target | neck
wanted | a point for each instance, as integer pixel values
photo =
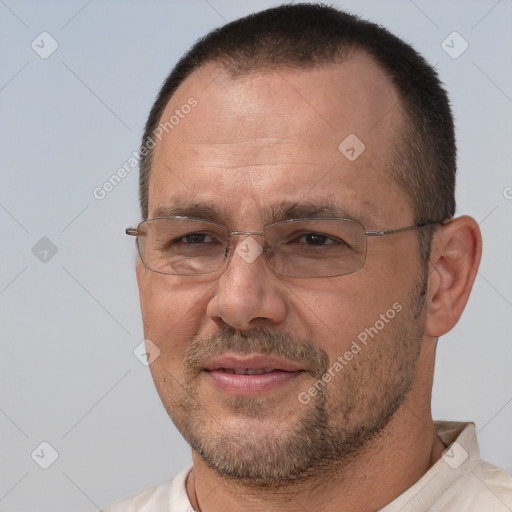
(392, 463)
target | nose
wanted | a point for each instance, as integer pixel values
(248, 294)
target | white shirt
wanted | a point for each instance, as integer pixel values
(459, 481)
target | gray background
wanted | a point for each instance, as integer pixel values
(70, 320)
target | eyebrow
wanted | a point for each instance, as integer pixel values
(302, 210)
(178, 208)
(279, 212)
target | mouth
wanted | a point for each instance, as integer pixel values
(251, 374)
(247, 371)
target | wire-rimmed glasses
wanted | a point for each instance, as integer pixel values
(301, 248)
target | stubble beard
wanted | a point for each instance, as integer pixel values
(328, 433)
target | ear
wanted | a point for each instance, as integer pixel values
(454, 260)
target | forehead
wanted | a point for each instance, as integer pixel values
(281, 135)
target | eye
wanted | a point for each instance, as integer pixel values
(317, 239)
(195, 241)
(195, 238)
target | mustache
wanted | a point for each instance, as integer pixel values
(200, 351)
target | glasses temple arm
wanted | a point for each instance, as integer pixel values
(400, 230)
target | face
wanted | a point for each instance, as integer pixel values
(271, 378)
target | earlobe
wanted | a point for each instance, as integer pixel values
(455, 256)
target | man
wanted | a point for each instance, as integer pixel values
(298, 261)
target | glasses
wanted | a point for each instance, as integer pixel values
(301, 248)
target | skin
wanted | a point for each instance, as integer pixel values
(254, 142)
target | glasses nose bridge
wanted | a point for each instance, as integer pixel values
(259, 233)
(241, 233)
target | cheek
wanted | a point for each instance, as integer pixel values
(172, 309)
(333, 314)
(328, 314)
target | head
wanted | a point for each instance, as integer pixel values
(262, 108)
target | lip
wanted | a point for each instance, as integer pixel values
(251, 362)
(221, 371)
